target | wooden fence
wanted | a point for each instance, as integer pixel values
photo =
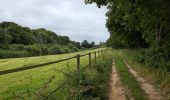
(49, 63)
(61, 60)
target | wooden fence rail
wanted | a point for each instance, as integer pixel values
(49, 63)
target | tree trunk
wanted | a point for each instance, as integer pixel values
(158, 32)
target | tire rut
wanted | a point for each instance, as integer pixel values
(152, 93)
(116, 91)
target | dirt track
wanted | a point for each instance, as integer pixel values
(117, 92)
(116, 89)
(148, 88)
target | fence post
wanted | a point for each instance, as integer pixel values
(78, 65)
(95, 57)
(90, 60)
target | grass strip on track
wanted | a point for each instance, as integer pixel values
(132, 87)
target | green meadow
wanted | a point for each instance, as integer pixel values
(19, 82)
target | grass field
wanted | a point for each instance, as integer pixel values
(16, 83)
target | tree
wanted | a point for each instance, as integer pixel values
(92, 43)
(4, 37)
(77, 44)
(139, 21)
(64, 40)
(139, 24)
(85, 44)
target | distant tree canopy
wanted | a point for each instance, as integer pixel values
(18, 41)
(86, 44)
(15, 34)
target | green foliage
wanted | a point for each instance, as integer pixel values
(12, 54)
(24, 35)
(77, 44)
(91, 84)
(55, 49)
(140, 24)
(15, 47)
(36, 50)
(4, 38)
(73, 47)
(33, 50)
(14, 37)
(155, 58)
(86, 44)
(36, 41)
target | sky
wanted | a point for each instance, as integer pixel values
(65, 17)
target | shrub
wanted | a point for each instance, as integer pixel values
(43, 49)
(154, 57)
(91, 84)
(66, 50)
(33, 50)
(13, 54)
(72, 47)
(55, 49)
(16, 47)
(157, 58)
(36, 49)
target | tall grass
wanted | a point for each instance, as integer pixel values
(92, 83)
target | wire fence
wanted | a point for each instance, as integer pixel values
(3, 72)
(84, 61)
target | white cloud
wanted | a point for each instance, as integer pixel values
(65, 17)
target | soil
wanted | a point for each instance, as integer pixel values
(116, 91)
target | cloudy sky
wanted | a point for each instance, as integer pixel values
(65, 17)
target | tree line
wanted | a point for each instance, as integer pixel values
(140, 24)
(19, 41)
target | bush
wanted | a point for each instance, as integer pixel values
(154, 57)
(157, 58)
(55, 49)
(16, 47)
(33, 50)
(43, 49)
(91, 84)
(66, 50)
(13, 54)
(36, 49)
(73, 47)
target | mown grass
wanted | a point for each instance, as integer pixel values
(130, 84)
(26, 61)
(158, 78)
(32, 80)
